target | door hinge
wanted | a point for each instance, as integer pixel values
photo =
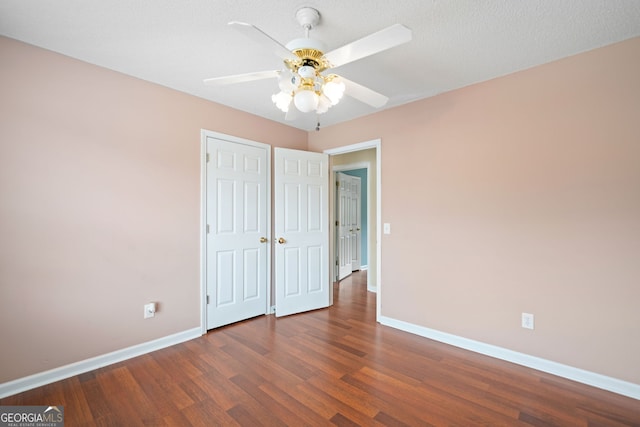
(337, 183)
(207, 157)
(207, 299)
(337, 223)
(207, 228)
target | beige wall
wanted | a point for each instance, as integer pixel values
(100, 206)
(521, 194)
(361, 156)
(518, 194)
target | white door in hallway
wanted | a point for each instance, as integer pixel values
(343, 252)
(355, 226)
(348, 233)
(301, 234)
(237, 203)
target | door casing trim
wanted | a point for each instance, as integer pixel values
(377, 144)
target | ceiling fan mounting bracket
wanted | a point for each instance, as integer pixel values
(308, 17)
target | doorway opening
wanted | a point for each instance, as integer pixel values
(367, 156)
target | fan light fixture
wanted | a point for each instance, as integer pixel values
(315, 93)
(301, 84)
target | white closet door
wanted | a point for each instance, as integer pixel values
(237, 221)
(301, 231)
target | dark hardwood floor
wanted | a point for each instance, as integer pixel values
(333, 366)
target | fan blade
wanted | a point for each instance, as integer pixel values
(262, 38)
(364, 94)
(241, 78)
(293, 113)
(387, 38)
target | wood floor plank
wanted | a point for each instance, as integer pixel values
(387, 403)
(431, 402)
(268, 403)
(261, 366)
(220, 390)
(325, 359)
(96, 400)
(126, 397)
(290, 399)
(388, 420)
(344, 421)
(317, 398)
(207, 413)
(335, 366)
(76, 401)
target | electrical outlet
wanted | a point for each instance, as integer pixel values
(149, 310)
(527, 320)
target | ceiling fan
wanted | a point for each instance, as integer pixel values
(304, 83)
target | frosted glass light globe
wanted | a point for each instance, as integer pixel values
(282, 100)
(323, 104)
(334, 90)
(306, 100)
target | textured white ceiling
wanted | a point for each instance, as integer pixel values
(455, 42)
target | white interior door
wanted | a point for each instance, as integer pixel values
(301, 231)
(344, 225)
(237, 206)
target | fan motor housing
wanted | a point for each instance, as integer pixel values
(310, 52)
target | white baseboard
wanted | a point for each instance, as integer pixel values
(36, 380)
(585, 377)
(370, 287)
